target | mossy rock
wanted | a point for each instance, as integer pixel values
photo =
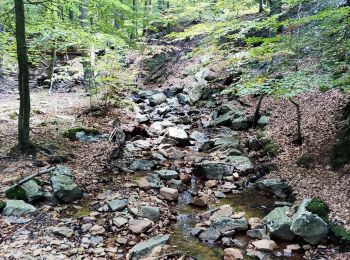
(269, 146)
(37, 181)
(319, 207)
(341, 152)
(17, 193)
(305, 161)
(2, 206)
(71, 133)
(340, 232)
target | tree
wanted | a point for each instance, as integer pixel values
(23, 77)
(1, 51)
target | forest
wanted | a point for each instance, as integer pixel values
(175, 129)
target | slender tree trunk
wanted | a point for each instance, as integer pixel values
(257, 110)
(299, 138)
(23, 78)
(1, 52)
(261, 6)
(52, 67)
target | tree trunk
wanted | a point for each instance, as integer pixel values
(257, 110)
(23, 78)
(299, 138)
(261, 6)
(52, 67)
(275, 6)
(1, 53)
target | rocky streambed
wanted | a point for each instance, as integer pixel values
(187, 183)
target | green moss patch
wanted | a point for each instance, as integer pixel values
(341, 233)
(37, 181)
(17, 193)
(319, 207)
(70, 133)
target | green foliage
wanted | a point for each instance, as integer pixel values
(269, 146)
(319, 207)
(341, 233)
(17, 193)
(2, 205)
(71, 133)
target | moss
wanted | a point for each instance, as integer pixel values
(17, 193)
(271, 149)
(2, 206)
(341, 233)
(13, 115)
(70, 133)
(37, 181)
(319, 207)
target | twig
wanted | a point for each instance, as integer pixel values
(30, 177)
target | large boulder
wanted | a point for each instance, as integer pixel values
(278, 223)
(179, 135)
(241, 163)
(213, 170)
(145, 248)
(307, 225)
(210, 235)
(227, 225)
(63, 185)
(33, 190)
(276, 186)
(17, 208)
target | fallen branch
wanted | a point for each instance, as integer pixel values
(29, 178)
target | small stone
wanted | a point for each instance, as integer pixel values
(210, 235)
(119, 221)
(219, 195)
(199, 202)
(138, 226)
(152, 213)
(255, 223)
(118, 204)
(232, 254)
(97, 230)
(211, 184)
(197, 230)
(62, 231)
(294, 247)
(265, 245)
(169, 193)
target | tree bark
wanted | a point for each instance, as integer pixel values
(257, 110)
(1, 53)
(261, 6)
(299, 138)
(23, 78)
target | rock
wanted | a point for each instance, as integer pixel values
(213, 170)
(307, 225)
(229, 242)
(241, 163)
(199, 137)
(157, 99)
(256, 223)
(63, 231)
(211, 184)
(50, 198)
(224, 211)
(276, 186)
(179, 135)
(210, 235)
(152, 213)
(172, 92)
(183, 99)
(226, 142)
(263, 120)
(197, 230)
(278, 223)
(199, 202)
(33, 190)
(219, 195)
(63, 185)
(146, 247)
(17, 208)
(265, 245)
(232, 254)
(152, 181)
(257, 233)
(97, 230)
(118, 204)
(169, 193)
(142, 165)
(167, 174)
(176, 184)
(241, 123)
(138, 226)
(119, 221)
(140, 118)
(227, 225)
(224, 120)
(195, 92)
(174, 154)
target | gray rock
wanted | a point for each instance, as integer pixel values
(278, 223)
(145, 248)
(224, 120)
(33, 190)
(167, 174)
(199, 137)
(120, 221)
(50, 198)
(142, 165)
(219, 194)
(118, 204)
(307, 225)
(195, 92)
(210, 235)
(240, 123)
(265, 245)
(263, 121)
(157, 99)
(257, 233)
(227, 225)
(152, 213)
(213, 170)
(183, 99)
(151, 181)
(178, 134)
(17, 208)
(141, 118)
(176, 184)
(62, 231)
(139, 226)
(276, 186)
(241, 163)
(224, 211)
(226, 142)
(197, 230)
(63, 185)
(169, 193)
